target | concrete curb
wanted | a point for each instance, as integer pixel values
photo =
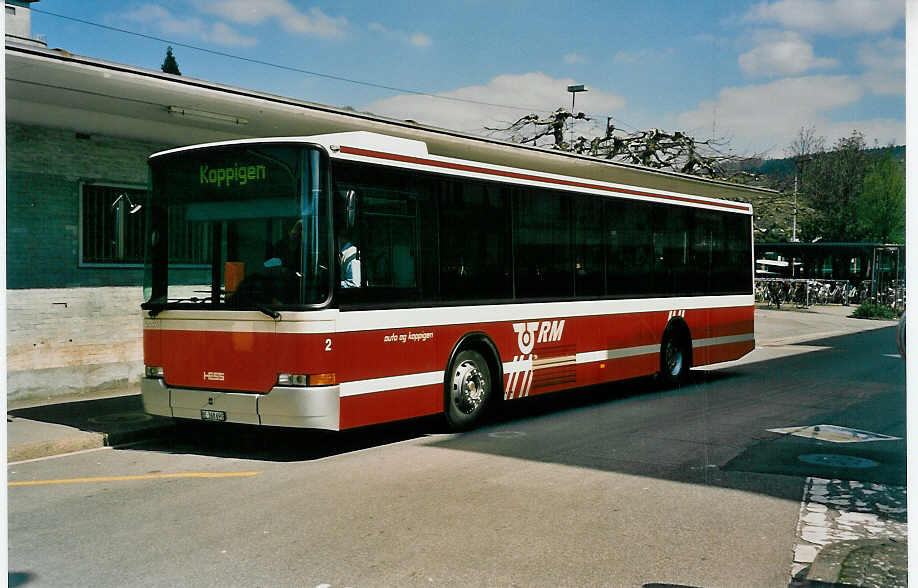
(83, 440)
(58, 446)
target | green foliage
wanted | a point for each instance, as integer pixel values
(846, 193)
(881, 203)
(170, 65)
(831, 183)
(868, 310)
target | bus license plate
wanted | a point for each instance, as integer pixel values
(213, 415)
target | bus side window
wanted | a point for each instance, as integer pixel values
(629, 248)
(475, 256)
(543, 256)
(386, 230)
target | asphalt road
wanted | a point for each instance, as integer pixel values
(621, 485)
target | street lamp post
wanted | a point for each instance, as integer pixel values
(794, 235)
(573, 90)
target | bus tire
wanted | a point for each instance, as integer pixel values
(675, 358)
(469, 389)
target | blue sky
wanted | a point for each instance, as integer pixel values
(750, 73)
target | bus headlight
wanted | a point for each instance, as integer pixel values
(152, 371)
(306, 379)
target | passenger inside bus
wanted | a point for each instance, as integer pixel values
(349, 258)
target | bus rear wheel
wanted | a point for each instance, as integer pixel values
(674, 359)
(468, 390)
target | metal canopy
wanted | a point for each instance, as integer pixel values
(54, 88)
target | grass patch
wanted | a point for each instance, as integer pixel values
(869, 310)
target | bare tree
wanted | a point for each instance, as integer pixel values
(655, 148)
(807, 142)
(532, 128)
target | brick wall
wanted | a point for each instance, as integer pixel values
(45, 168)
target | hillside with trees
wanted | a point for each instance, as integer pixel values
(845, 192)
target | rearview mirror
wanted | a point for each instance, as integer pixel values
(350, 206)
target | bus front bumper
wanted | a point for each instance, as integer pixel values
(307, 407)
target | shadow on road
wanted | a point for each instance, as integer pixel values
(281, 444)
(288, 444)
(712, 431)
(715, 430)
(110, 416)
(20, 578)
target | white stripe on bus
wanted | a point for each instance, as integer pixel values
(388, 383)
(325, 321)
(521, 372)
(594, 356)
(723, 340)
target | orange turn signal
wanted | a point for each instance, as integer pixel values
(322, 379)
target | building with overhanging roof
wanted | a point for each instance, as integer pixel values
(79, 131)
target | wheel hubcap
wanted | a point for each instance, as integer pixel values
(468, 388)
(673, 359)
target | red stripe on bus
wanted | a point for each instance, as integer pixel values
(529, 177)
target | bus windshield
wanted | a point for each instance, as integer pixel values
(238, 227)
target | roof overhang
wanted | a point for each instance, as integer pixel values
(54, 88)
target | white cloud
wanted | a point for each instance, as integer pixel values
(885, 64)
(572, 58)
(881, 131)
(218, 32)
(526, 93)
(766, 117)
(312, 22)
(830, 16)
(224, 34)
(415, 39)
(782, 54)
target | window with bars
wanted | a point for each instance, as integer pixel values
(112, 224)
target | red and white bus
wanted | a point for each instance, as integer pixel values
(477, 283)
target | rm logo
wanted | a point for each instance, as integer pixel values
(530, 333)
(527, 335)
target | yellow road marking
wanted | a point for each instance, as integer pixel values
(140, 477)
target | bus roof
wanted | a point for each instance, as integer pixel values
(413, 154)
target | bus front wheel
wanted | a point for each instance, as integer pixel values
(468, 390)
(674, 359)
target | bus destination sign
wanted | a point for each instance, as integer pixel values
(223, 177)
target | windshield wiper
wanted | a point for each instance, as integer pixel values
(264, 308)
(154, 307)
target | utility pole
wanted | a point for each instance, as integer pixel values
(573, 90)
(794, 235)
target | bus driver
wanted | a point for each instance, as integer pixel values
(350, 263)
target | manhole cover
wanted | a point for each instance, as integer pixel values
(120, 418)
(837, 461)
